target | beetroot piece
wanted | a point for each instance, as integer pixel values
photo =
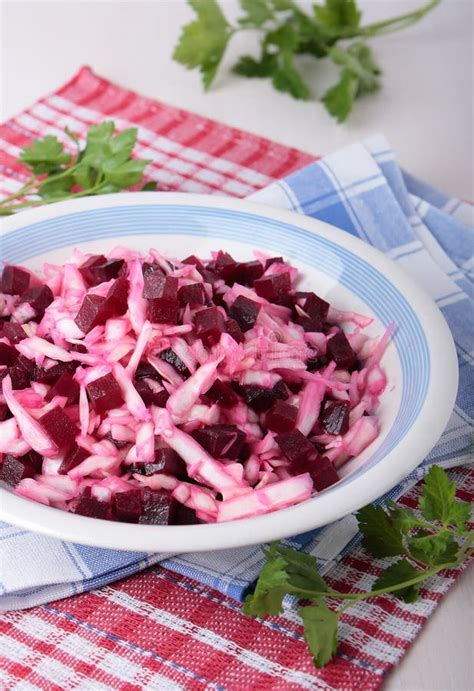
(8, 354)
(4, 409)
(94, 311)
(64, 386)
(296, 447)
(209, 325)
(339, 350)
(145, 370)
(14, 332)
(159, 508)
(195, 261)
(281, 391)
(12, 470)
(14, 280)
(39, 297)
(166, 461)
(59, 428)
(104, 394)
(224, 266)
(245, 312)
(323, 473)
(150, 397)
(162, 311)
(259, 398)
(223, 394)
(117, 296)
(316, 308)
(20, 378)
(52, 374)
(169, 356)
(193, 294)
(101, 273)
(184, 516)
(28, 365)
(234, 330)
(149, 268)
(221, 441)
(74, 455)
(86, 269)
(335, 417)
(158, 286)
(281, 417)
(274, 287)
(92, 507)
(247, 272)
(127, 506)
(273, 260)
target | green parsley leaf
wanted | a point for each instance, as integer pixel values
(258, 12)
(271, 587)
(84, 176)
(434, 550)
(438, 499)
(337, 14)
(287, 79)
(44, 155)
(339, 98)
(403, 519)
(302, 570)
(203, 42)
(358, 61)
(320, 631)
(150, 186)
(396, 574)
(380, 537)
(247, 66)
(126, 174)
(54, 189)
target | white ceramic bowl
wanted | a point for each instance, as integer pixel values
(420, 361)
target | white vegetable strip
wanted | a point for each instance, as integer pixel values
(182, 400)
(132, 398)
(308, 411)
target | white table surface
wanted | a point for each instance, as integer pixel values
(425, 109)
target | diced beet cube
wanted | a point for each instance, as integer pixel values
(127, 506)
(234, 330)
(39, 297)
(52, 374)
(281, 417)
(34, 459)
(281, 391)
(146, 371)
(259, 398)
(117, 297)
(85, 269)
(209, 276)
(167, 461)
(192, 294)
(151, 267)
(4, 409)
(296, 447)
(159, 508)
(93, 312)
(316, 363)
(323, 473)
(247, 272)
(59, 428)
(158, 286)
(28, 365)
(104, 394)
(64, 386)
(169, 356)
(308, 323)
(106, 271)
(91, 507)
(221, 441)
(74, 455)
(223, 394)
(151, 397)
(209, 325)
(192, 259)
(273, 260)
(20, 378)
(339, 349)
(184, 516)
(8, 354)
(14, 332)
(335, 417)
(162, 311)
(14, 280)
(274, 287)
(245, 312)
(224, 266)
(12, 470)
(317, 308)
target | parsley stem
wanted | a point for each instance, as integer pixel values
(38, 202)
(389, 25)
(21, 192)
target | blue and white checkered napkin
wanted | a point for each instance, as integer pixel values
(362, 190)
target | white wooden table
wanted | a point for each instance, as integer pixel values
(425, 110)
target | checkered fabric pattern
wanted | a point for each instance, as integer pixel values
(161, 629)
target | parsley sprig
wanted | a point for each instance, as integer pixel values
(105, 164)
(427, 541)
(286, 32)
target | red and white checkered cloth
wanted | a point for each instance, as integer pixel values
(158, 630)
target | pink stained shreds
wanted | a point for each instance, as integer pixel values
(146, 389)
